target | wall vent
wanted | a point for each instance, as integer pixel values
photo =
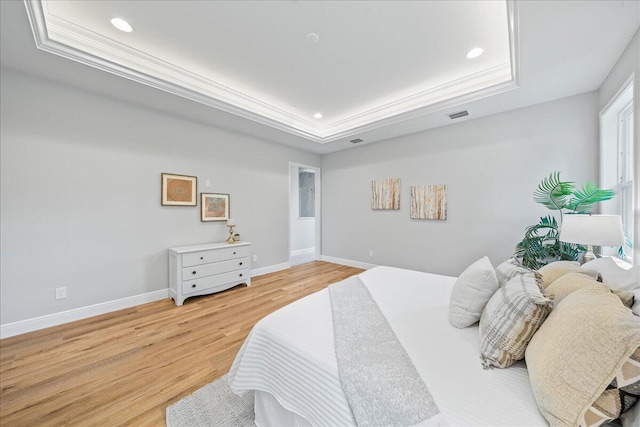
(356, 141)
(458, 114)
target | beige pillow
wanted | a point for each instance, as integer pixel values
(627, 297)
(510, 318)
(571, 282)
(551, 272)
(577, 352)
(471, 292)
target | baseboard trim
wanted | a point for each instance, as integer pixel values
(54, 319)
(29, 325)
(347, 262)
(270, 269)
(303, 251)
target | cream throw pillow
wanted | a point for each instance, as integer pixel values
(471, 292)
(551, 272)
(577, 352)
(571, 282)
(509, 320)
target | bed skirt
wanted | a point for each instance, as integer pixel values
(270, 413)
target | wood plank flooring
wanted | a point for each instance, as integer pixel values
(126, 367)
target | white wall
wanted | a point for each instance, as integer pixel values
(628, 64)
(491, 167)
(303, 231)
(80, 195)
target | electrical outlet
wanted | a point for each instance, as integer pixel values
(61, 293)
(207, 183)
(371, 254)
(255, 258)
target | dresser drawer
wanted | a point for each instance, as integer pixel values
(205, 257)
(197, 258)
(203, 270)
(215, 280)
(233, 252)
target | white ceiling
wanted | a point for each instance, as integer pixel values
(380, 69)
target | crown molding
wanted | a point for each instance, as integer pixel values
(63, 38)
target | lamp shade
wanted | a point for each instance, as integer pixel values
(595, 230)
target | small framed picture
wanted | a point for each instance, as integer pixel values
(214, 207)
(179, 190)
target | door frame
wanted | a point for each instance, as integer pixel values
(318, 200)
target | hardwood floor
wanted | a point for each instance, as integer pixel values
(126, 367)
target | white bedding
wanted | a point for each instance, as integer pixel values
(290, 355)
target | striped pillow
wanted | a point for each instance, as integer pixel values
(510, 269)
(511, 317)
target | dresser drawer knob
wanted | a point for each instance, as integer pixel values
(240, 274)
(193, 286)
(193, 272)
(234, 253)
(240, 263)
(201, 257)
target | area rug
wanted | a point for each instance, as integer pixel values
(213, 405)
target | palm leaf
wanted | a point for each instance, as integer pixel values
(553, 193)
(583, 200)
(539, 243)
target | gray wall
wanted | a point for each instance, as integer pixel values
(490, 165)
(80, 187)
(628, 64)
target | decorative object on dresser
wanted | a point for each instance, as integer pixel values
(385, 194)
(592, 230)
(231, 223)
(205, 269)
(214, 207)
(429, 202)
(178, 190)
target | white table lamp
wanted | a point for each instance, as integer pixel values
(592, 230)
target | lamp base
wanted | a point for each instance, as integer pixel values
(589, 255)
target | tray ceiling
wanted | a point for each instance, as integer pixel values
(361, 65)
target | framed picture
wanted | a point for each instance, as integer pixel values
(385, 194)
(429, 202)
(179, 190)
(214, 207)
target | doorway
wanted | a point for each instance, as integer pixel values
(304, 213)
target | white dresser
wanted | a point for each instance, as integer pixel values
(205, 269)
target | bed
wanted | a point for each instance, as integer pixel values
(289, 359)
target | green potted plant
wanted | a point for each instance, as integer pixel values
(540, 244)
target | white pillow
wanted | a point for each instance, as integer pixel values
(471, 292)
(613, 275)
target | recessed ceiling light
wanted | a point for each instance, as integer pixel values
(475, 52)
(317, 115)
(313, 38)
(122, 25)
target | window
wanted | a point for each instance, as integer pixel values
(616, 164)
(306, 188)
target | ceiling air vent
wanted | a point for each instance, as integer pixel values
(356, 141)
(458, 114)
